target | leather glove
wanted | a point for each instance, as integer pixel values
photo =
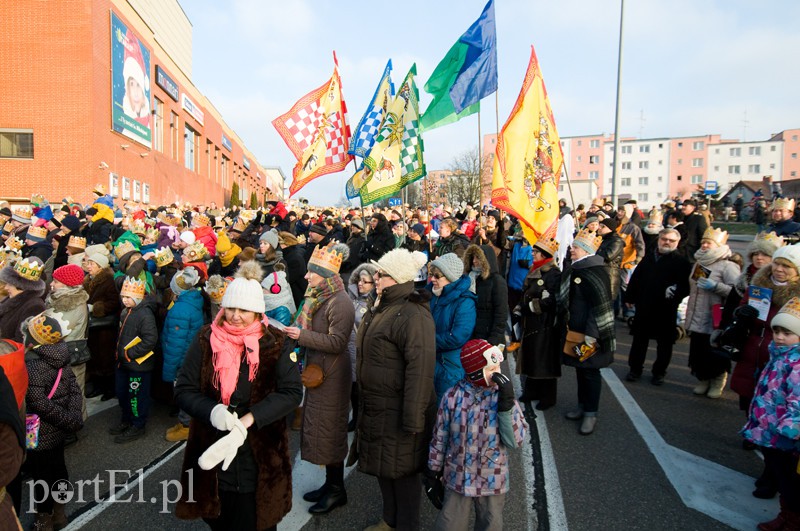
(706, 284)
(222, 419)
(670, 291)
(225, 449)
(434, 488)
(523, 263)
(745, 313)
(506, 399)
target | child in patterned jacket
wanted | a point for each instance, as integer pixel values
(478, 419)
(774, 418)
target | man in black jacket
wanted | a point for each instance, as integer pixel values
(695, 225)
(657, 286)
(612, 249)
(782, 222)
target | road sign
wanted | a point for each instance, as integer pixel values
(395, 201)
(711, 188)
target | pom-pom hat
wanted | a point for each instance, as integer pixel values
(244, 292)
(476, 356)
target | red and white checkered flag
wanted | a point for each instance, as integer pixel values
(317, 131)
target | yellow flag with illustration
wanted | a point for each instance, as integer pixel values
(528, 159)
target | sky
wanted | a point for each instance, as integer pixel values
(689, 67)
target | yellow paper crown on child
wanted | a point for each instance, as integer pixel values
(14, 243)
(201, 220)
(38, 200)
(718, 236)
(164, 256)
(79, 242)
(588, 240)
(29, 269)
(138, 228)
(133, 288)
(547, 242)
(124, 248)
(195, 252)
(783, 203)
(48, 328)
(8, 227)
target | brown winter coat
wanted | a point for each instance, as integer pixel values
(326, 408)
(14, 310)
(395, 365)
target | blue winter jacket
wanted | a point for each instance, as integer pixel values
(517, 273)
(281, 314)
(454, 315)
(183, 322)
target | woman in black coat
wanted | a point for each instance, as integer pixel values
(480, 264)
(540, 352)
(380, 239)
(611, 250)
(293, 255)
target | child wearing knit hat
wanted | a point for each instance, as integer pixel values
(484, 397)
(774, 419)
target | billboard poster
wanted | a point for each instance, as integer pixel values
(126, 188)
(113, 184)
(145, 193)
(137, 191)
(130, 84)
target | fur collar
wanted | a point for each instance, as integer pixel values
(472, 252)
(780, 294)
(67, 299)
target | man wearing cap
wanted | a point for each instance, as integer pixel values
(782, 218)
(24, 288)
(317, 236)
(36, 244)
(695, 225)
(70, 226)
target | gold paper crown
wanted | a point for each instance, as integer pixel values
(770, 238)
(8, 257)
(38, 200)
(216, 289)
(37, 232)
(239, 226)
(201, 220)
(133, 288)
(137, 227)
(327, 257)
(23, 212)
(195, 252)
(172, 220)
(29, 270)
(14, 243)
(123, 248)
(783, 203)
(48, 328)
(547, 242)
(99, 189)
(164, 256)
(589, 238)
(718, 236)
(656, 216)
(599, 202)
(79, 242)
(151, 234)
(8, 226)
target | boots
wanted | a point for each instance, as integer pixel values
(334, 497)
(178, 432)
(380, 526)
(316, 495)
(716, 385)
(588, 424)
(702, 387)
(297, 423)
(43, 522)
(577, 414)
(59, 516)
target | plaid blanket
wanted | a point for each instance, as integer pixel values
(596, 287)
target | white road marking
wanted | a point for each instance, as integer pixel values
(714, 490)
(95, 405)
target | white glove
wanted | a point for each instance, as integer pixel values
(225, 449)
(530, 305)
(222, 419)
(545, 293)
(670, 292)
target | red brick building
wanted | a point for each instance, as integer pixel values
(66, 123)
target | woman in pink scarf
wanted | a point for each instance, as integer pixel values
(238, 382)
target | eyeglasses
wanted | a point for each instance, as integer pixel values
(380, 274)
(362, 281)
(437, 276)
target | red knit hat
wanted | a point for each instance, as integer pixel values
(476, 354)
(70, 275)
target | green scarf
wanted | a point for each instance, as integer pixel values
(316, 297)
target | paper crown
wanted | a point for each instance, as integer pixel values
(547, 242)
(588, 241)
(79, 242)
(8, 227)
(99, 189)
(172, 220)
(29, 269)
(327, 257)
(132, 288)
(124, 248)
(769, 238)
(718, 236)
(201, 220)
(195, 252)
(8, 257)
(38, 200)
(37, 233)
(215, 287)
(138, 227)
(164, 256)
(14, 243)
(23, 213)
(48, 328)
(656, 217)
(239, 226)
(783, 203)
(599, 202)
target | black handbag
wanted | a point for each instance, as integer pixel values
(106, 320)
(78, 351)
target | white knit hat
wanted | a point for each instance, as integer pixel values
(791, 253)
(788, 317)
(244, 292)
(188, 237)
(401, 264)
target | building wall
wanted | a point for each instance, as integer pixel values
(732, 162)
(584, 157)
(791, 153)
(171, 29)
(685, 153)
(643, 171)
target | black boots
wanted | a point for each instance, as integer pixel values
(334, 496)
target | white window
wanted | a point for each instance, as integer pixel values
(794, 173)
(644, 148)
(189, 148)
(698, 145)
(579, 174)
(660, 162)
(680, 144)
(660, 178)
(660, 195)
(642, 197)
(697, 163)
(680, 161)
(16, 143)
(580, 142)
(772, 148)
(594, 175)
(594, 159)
(734, 170)
(794, 138)
(560, 187)
(643, 164)
(626, 165)
(594, 143)
(174, 123)
(716, 168)
(754, 150)
(754, 168)
(158, 125)
(697, 179)
(627, 149)
(794, 155)
(578, 158)
(772, 166)
(736, 152)
(625, 181)
(643, 181)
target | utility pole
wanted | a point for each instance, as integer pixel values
(615, 171)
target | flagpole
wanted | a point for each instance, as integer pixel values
(480, 163)
(360, 201)
(569, 185)
(615, 172)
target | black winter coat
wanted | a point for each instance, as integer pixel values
(492, 291)
(42, 250)
(99, 232)
(612, 249)
(540, 353)
(695, 225)
(59, 415)
(295, 271)
(655, 314)
(380, 240)
(139, 321)
(14, 310)
(357, 245)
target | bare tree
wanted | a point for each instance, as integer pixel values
(465, 183)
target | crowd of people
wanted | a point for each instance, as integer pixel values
(392, 324)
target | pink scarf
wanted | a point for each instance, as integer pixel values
(227, 344)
